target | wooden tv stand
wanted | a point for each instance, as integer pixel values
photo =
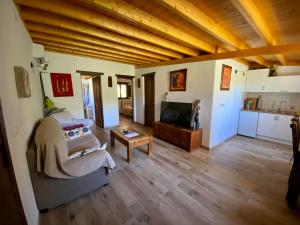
(186, 138)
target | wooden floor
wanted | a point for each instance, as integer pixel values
(243, 181)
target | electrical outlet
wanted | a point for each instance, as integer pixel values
(292, 107)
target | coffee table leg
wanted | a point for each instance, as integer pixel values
(150, 146)
(128, 153)
(112, 138)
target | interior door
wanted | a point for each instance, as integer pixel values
(98, 101)
(11, 210)
(149, 99)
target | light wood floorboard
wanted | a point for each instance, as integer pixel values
(241, 182)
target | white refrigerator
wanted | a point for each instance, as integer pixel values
(248, 123)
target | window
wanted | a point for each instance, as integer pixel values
(122, 91)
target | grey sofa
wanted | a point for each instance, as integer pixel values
(51, 192)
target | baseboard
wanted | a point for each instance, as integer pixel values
(273, 140)
(227, 139)
(139, 123)
(205, 147)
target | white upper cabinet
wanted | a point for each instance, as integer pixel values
(259, 81)
(284, 84)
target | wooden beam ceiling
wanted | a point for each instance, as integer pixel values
(270, 50)
(85, 15)
(79, 41)
(84, 53)
(76, 48)
(109, 39)
(199, 18)
(163, 32)
(134, 14)
(66, 45)
(251, 13)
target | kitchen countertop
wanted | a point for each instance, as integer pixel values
(290, 113)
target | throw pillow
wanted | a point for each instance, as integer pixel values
(75, 133)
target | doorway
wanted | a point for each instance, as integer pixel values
(125, 90)
(149, 81)
(11, 210)
(92, 96)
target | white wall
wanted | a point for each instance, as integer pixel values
(219, 109)
(200, 80)
(227, 104)
(62, 63)
(20, 114)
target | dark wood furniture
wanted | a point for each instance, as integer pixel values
(149, 83)
(11, 209)
(185, 138)
(131, 143)
(294, 178)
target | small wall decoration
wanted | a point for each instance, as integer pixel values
(225, 78)
(22, 82)
(178, 80)
(61, 84)
(110, 81)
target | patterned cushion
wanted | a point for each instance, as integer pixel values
(75, 133)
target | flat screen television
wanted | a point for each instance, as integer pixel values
(177, 113)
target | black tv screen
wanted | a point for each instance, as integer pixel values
(176, 113)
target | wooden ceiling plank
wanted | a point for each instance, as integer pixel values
(67, 51)
(270, 50)
(43, 39)
(115, 41)
(72, 47)
(72, 38)
(49, 49)
(76, 12)
(132, 13)
(251, 13)
(193, 14)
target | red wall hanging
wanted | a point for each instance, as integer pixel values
(61, 84)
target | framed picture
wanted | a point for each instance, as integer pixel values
(178, 80)
(110, 81)
(61, 84)
(22, 82)
(225, 78)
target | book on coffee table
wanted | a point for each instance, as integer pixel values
(132, 134)
(129, 133)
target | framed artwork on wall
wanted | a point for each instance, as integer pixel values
(225, 78)
(61, 84)
(22, 82)
(178, 80)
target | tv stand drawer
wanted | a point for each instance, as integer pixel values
(185, 138)
(171, 135)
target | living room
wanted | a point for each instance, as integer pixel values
(219, 178)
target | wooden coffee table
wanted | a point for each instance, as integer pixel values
(131, 143)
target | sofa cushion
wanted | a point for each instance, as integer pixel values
(76, 133)
(82, 143)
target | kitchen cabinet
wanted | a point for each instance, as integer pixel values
(248, 123)
(257, 80)
(274, 127)
(284, 84)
